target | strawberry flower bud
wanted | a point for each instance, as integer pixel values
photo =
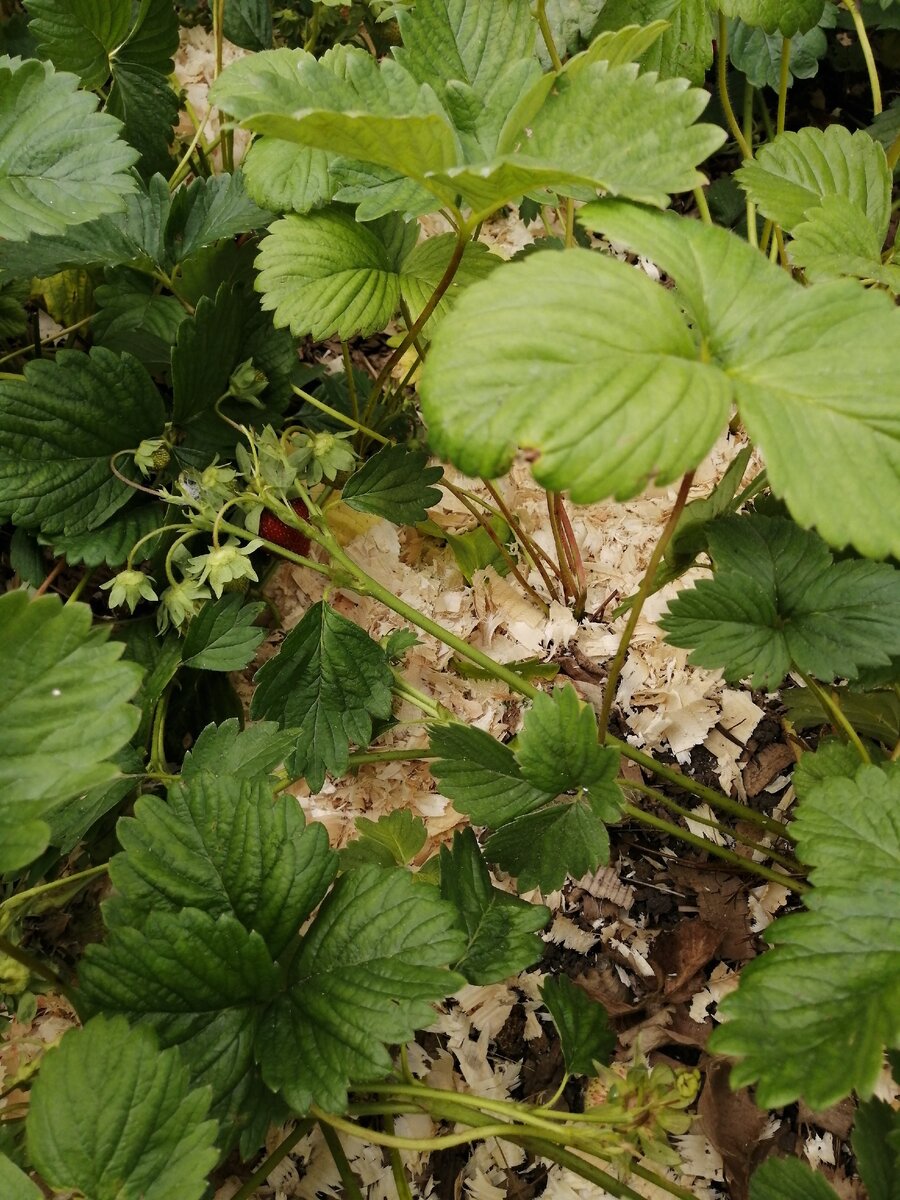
(179, 603)
(129, 587)
(225, 564)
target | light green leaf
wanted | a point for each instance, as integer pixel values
(684, 48)
(379, 944)
(395, 484)
(22, 840)
(228, 750)
(583, 1026)
(78, 35)
(812, 1016)
(571, 22)
(377, 191)
(558, 750)
(805, 402)
(15, 1184)
(393, 840)
(287, 177)
(59, 427)
(325, 274)
(85, 1130)
(481, 775)
(223, 637)
(789, 1179)
(777, 600)
(837, 238)
(475, 550)
(61, 162)
(610, 402)
(796, 171)
(71, 820)
(500, 928)
(786, 16)
(65, 710)
(424, 266)
(329, 680)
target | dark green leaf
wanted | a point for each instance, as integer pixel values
(78, 36)
(207, 210)
(789, 1179)
(558, 750)
(71, 820)
(248, 23)
(500, 928)
(395, 484)
(393, 840)
(582, 1024)
(876, 1145)
(328, 680)
(132, 317)
(481, 775)
(872, 714)
(758, 54)
(85, 1130)
(26, 558)
(238, 753)
(59, 427)
(223, 637)
(148, 108)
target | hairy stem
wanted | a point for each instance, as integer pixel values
(281, 1151)
(547, 35)
(348, 1179)
(724, 99)
(833, 710)
(784, 79)
(866, 47)
(336, 415)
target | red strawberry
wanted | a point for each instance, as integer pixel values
(273, 529)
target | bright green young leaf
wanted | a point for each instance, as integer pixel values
(789, 1179)
(808, 404)
(248, 23)
(378, 945)
(78, 35)
(481, 775)
(876, 1146)
(796, 171)
(582, 1024)
(65, 708)
(837, 238)
(786, 16)
(223, 845)
(287, 177)
(475, 550)
(812, 1016)
(60, 425)
(15, 1184)
(61, 162)
(85, 1130)
(778, 600)
(248, 753)
(393, 840)
(610, 401)
(500, 928)
(558, 750)
(329, 680)
(395, 484)
(223, 637)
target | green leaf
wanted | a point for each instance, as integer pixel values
(207, 210)
(63, 163)
(71, 820)
(222, 845)
(610, 402)
(148, 108)
(582, 1024)
(684, 48)
(248, 23)
(286, 177)
(79, 34)
(395, 484)
(238, 753)
(223, 637)
(778, 600)
(789, 1179)
(60, 425)
(22, 840)
(837, 238)
(153, 40)
(65, 710)
(804, 401)
(329, 680)
(758, 54)
(558, 750)
(15, 1184)
(872, 714)
(797, 171)
(393, 840)
(86, 1132)
(13, 317)
(876, 1145)
(481, 775)
(812, 1016)
(786, 16)
(422, 269)
(571, 23)
(111, 543)
(500, 928)
(131, 317)
(377, 946)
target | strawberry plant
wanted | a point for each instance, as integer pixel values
(175, 434)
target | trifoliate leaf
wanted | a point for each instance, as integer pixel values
(778, 600)
(223, 845)
(582, 1024)
(786, 16)
(789, 1179)
(395, 484)
(65, 710)
(481, 775)
(59, 427)
(500, 928)
(378, 945)
(558, 750)
(132, 317)
(796, 171)
(61, 162)
(79, 36)
(15, 1184)
(804, 401)
(876, 1146)
(207, 210)
(812, 1016)
(837, 238)
(86, 1132)
(228, 750)
(329, 680)
(223, 637)
(286, 177)
(248, 23)
(393, 840)
(610, 401)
